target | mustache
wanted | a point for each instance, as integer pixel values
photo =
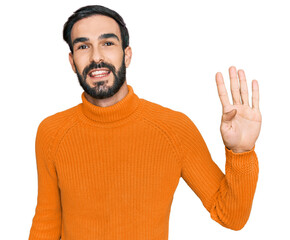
(94, 65)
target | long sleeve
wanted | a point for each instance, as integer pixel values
(46, 223)
(228, 197)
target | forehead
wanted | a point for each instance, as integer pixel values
(94, 26)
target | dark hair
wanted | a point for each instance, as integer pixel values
(88, 11)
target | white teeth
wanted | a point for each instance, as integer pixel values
(99, 72)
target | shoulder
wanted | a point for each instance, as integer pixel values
(161, 114)
(175, 124)
(53, 124)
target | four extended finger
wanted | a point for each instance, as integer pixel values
(255, 94)
(235, 88)
(243, 87)
(222, 91)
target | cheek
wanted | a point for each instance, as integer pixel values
(116, 58)
(81, 62)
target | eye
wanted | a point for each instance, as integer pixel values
(109, 43)
(83, 46)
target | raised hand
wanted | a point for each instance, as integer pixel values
(240, 124)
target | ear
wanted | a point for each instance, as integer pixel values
(71, 60)
(128, 56)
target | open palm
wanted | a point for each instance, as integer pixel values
(240, 124)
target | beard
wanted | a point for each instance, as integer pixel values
(100, 90)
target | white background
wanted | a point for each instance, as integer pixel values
(178, 46)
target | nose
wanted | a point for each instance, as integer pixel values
(97, 55)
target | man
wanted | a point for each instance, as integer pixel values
(108, 167)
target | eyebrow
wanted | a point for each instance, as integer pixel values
(81, 39)
(108, 35)
(103, 36)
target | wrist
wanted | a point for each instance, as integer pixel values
(240, 150)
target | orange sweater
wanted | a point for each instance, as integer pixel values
(110, 173)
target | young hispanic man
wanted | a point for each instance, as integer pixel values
(108, 167)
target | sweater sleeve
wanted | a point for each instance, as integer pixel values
(46, 223)
(228, 197)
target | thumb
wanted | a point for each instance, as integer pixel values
(229, 115)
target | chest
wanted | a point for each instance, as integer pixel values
(127, 166)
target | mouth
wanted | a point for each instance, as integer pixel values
(99, 74)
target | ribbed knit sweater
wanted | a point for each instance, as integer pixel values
(110, 173)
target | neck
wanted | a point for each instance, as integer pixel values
(106, 102)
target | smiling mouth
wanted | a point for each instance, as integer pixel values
(99, 73)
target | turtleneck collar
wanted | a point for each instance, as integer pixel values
(118, 111)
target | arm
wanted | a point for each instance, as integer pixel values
(227, 197)
(46, 223)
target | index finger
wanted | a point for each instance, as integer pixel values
(222, 91)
